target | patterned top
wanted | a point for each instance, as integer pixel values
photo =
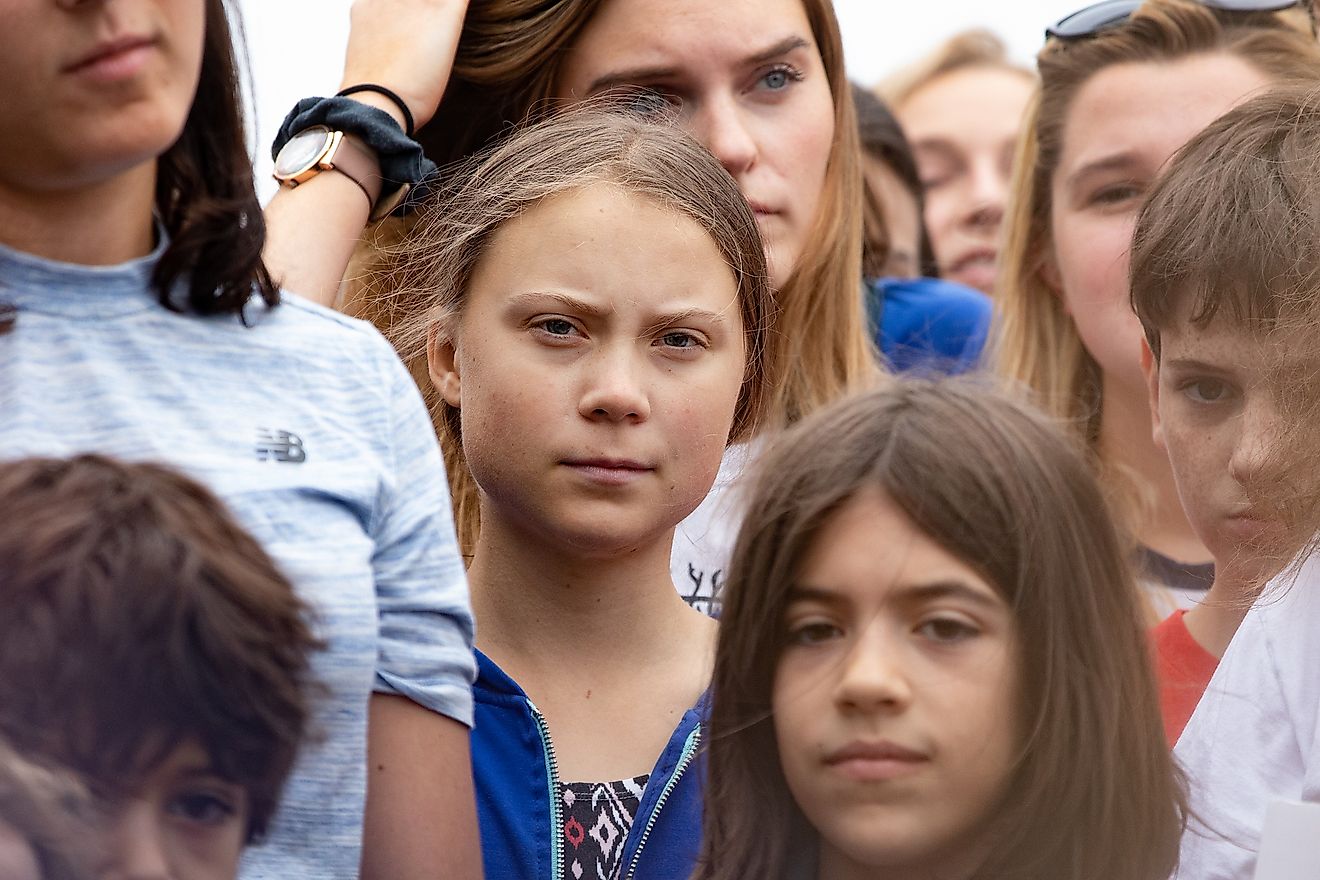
(597, 819)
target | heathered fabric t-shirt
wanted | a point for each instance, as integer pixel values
(308, 426)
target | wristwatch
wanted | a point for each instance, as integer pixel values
(318, 149)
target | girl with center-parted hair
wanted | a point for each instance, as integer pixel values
(760, 83)
(1122, 87)
(597, 337)
(931, 661)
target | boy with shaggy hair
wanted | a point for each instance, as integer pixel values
(150, 647)
(1226, 281)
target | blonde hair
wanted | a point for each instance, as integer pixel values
(1094, 792)
(971, 49)
(508, 65)
(1035, 342)
(427, 275)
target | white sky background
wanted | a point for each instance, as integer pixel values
(297, 46)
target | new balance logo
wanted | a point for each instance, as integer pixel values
(280, 446)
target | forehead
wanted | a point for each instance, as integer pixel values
(605, 239)
(986, 100)
(1150, 109)
(869, 550)
(693, 36)
(1275, 353)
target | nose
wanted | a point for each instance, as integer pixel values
(987, 191)
(615, 387)
(1258, 437)
(873, 677)
(722, 127)
(135, 844)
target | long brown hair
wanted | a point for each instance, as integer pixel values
(429, 272)
(1035, 341)
(505, 74)
(1095, 793)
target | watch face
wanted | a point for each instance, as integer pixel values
(302, 151)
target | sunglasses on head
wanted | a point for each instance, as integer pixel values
(1111, 13)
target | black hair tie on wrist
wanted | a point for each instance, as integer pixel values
(381, 90)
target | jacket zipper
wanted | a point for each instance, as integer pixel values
(556, 807)
(689, 752)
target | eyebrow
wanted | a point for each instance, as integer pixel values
(570, 303)
(911, 593)
(643, 74)
(1194, 365)
(1116, 162)
(582, 307)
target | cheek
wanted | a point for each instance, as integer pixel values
(1093, 268)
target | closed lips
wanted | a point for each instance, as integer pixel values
(108, 50)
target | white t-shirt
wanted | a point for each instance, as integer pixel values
(1255, 736)
(703, 543)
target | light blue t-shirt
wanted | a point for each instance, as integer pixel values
(311, 430)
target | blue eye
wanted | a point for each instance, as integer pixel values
(779, 78)
(680, 340)
(557, 326)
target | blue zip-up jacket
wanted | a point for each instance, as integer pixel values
(517, 781)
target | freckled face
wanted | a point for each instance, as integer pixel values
(747, 80)
(597, 364)
(184, 823)
(1225, 407)
(1123, 127)
(894, 699)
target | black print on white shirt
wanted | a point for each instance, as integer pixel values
(280, 446)
(708, 601)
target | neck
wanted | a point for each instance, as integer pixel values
(539, 604)
(101, 224)
(835, 865)
(1127, 442)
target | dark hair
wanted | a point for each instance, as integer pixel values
(136, 614)
(1094, 792)
(883, 139)
(205, 195)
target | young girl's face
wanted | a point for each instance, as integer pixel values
(1122, 128)
(597, 364)
(894, 698)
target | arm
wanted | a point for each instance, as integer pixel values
(421, 819)
(405, 45)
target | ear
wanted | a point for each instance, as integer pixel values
(1150, 367)
(442, 365)
(1049, 273)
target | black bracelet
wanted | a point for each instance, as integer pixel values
(402, 162)
(408, 126)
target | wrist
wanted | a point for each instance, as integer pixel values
(380, 102)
